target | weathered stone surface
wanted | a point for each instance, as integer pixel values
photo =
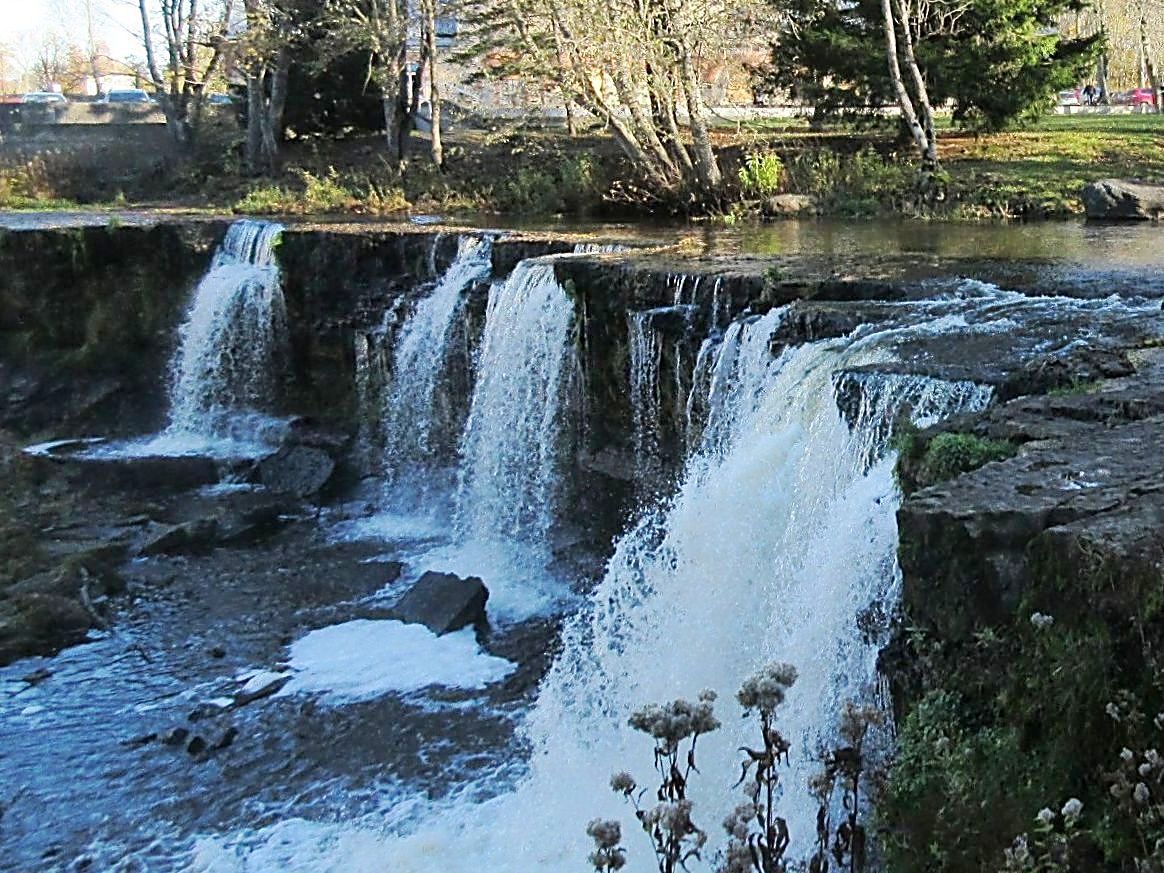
(1117, 199)
(185, 538)
(302, 471)
(443, 602)
(160, 475)
(1086, 491)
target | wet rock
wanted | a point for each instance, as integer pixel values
(1120, 200)
(197, 745)
(37, 676)
(244, 526)
(787, 204)
(443, 602)
(186, 538)
(226, 740)
(162, 475)
(175, 736)
(302, 471)
(40, 624)
(264, 690)
(217, 652)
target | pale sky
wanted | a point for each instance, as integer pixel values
(25, 23)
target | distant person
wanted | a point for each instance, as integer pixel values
(1089, 95)
(1101, 96)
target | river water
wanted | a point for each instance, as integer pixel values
(389, 748)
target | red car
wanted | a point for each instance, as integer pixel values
(1142, 100)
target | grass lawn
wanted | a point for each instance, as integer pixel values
(1041, 169)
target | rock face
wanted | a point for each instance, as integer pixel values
(1118, 200)
(1033, 590)
(443, 602)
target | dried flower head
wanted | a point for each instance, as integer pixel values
(675, 721)
(856, 720)
(606, 833)
(1140, 794)
(622, 783)
(766, 689)
(1045, 817)
(1041, 620)
(1072, 808)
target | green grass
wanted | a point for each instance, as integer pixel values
(1039, 171)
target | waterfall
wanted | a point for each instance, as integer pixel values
(420, 427)
(233, 344)
(781, 533)
(510, 448)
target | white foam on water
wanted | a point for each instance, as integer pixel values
(365, 659)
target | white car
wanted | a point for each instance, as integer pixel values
(44, 97)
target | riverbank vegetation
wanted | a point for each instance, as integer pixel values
(1034, 171)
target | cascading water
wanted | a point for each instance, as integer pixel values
(781, 533)
(646, 350)
(233, 344)
(510, 448)
(419, 428)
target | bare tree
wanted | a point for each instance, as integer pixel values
(916, 109)
(378, 29)
(636, 66)
(193, 40)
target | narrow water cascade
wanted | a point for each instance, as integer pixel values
(646, 349)
(510, 451)
(419, 419)
(232, 347)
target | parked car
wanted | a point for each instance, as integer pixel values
(126, 95)
(1070, 97)
(1141, 100)
(47, 97)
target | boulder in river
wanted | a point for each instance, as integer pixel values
(302, 471)
(1116, 199)
(443, 602)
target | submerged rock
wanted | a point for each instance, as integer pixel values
(443, 602)
(1117, 199)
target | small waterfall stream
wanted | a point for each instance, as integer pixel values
(232, 347)
(417, 424)
(510, 448)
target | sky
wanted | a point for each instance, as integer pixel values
(25, 23)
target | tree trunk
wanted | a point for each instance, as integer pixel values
(917, 130)
(434, 92)
(571, 120)
(255, 113)
(1148, 66)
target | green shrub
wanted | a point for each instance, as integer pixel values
(761, 174)
(862, 184)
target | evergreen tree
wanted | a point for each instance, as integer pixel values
(992, 61)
